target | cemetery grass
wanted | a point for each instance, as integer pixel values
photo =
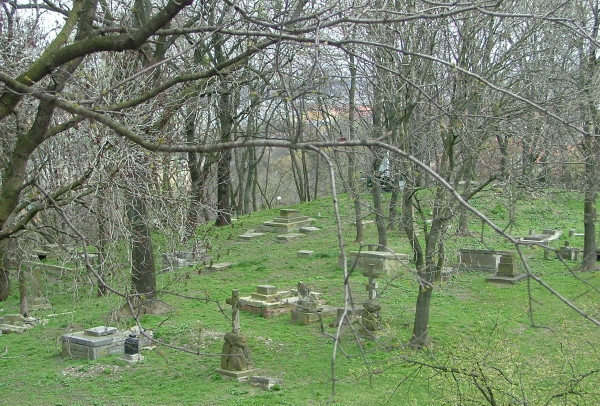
(482, 333)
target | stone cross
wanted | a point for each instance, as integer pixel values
(372, 288)
(235, 310)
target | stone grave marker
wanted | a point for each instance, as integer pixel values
(371, 316)
(236, 361)
(96, 342)
(269, 302)
(385, 262)
(216, 267)
(479, 260)
(309, 309)
(250, 235)
(507, 270)
(569, 253)
(38, 301)
(289, 220)
(285, 238)
(305, 253)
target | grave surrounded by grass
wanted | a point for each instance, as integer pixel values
(486, 338)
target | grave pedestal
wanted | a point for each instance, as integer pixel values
(385, 262)
(236, 359)
(507, 270)
(288, 220)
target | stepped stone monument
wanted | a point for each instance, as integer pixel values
(507, 270)
(236, 359)
(309, 308)
(385, 262)
(289, 220)
(269, 302)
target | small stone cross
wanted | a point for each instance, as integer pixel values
(372, 288)
(235, 310)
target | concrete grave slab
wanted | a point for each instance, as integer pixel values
(217, 267)
(305, 253)
(284, 238)
(385, 262)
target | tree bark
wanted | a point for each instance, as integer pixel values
(143, 273)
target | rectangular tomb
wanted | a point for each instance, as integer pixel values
(480, 260)
(384, 262)
(93, 343)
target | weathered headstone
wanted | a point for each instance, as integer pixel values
(371, 316)
(309, 309)
(38, 300)
(236, 361)
(569, 253)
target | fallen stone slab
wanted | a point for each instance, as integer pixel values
(250, 236)
(284, 238)
(308, 230)
(265, 382)
(216, 267)
(9, 328)
(305, 253)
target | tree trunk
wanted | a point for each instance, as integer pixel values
(143, 273)
(420, 335)
(5, 266)
(23, 306)
(379, 216)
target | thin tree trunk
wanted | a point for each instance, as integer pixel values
(143, 272)
(23, 306)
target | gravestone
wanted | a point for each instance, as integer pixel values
(250, 235)
(385, 262)
(371, 316)
(289, 220)
(179, 259)
(479, 260)
(269, 302)
(309, 309)
(236, 359)
(93, 343)
(507, 270)
(569, 253)
(38, 300)
(216, 267)
(285, 238)
(305, 253)
(541, 238)
(100, 341)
